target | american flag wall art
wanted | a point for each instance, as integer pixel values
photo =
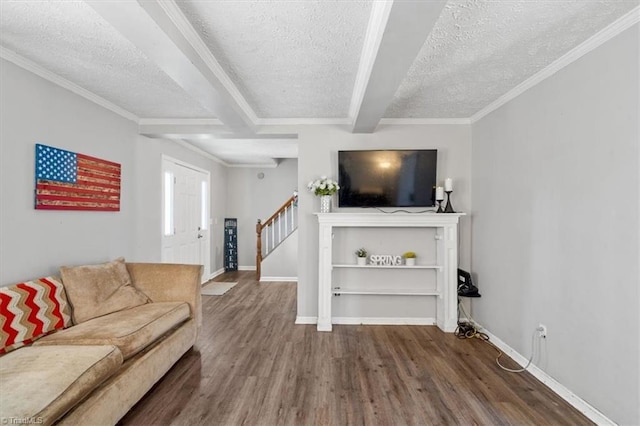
(66, 180)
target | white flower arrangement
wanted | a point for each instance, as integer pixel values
(323, 186)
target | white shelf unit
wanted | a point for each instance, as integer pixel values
(446, 237)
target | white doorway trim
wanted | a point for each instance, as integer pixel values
(167, 161)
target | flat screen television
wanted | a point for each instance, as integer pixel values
(386, 178)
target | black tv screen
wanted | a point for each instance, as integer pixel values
(400, 178)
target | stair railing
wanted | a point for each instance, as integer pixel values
(275, 230)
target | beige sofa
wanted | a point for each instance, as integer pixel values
(93, 372)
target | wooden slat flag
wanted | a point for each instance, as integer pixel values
(69, 181)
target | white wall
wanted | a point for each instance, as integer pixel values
(282, 264)
(318, 148)
(148, 174)
(555, 224)
(35, 243)
(250, 198)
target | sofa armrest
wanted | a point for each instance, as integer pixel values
(164, 282)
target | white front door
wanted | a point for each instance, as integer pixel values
(185, 215)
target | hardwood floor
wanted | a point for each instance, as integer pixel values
(254, 366)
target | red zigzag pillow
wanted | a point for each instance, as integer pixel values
(31, 310)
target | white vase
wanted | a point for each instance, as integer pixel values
(410, 261)
(361, 260)
(325, 203)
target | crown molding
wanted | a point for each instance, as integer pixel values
(375, 31)
(34, 68)
(423, 121)
(180, 122)
(606, 34)
(193, 38)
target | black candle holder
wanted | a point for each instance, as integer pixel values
(439, 206)
(449, 208)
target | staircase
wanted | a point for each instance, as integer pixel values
(275, 230)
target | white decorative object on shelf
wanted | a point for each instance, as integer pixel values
(361, 256)
(410, 258)
(385, 259)
(325, 204)
(448, 185)
(323, 188)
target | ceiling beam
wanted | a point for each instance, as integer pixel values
(194, 129)
(396, 33)
(181, 131)
(161, 31)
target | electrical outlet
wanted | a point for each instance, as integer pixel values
(542, 330)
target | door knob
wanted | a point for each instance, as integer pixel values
(199, 235)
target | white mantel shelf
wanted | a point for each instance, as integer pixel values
(446, 267)
(390, 219)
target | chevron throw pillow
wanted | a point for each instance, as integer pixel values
(31, 310)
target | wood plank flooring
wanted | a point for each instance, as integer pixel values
(254, 366)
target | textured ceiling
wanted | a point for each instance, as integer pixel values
(288, 58)
(479, 50)
(71, 40)
(297, 59)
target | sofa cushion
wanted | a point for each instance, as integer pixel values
(130, 330)
(46, 381)
(96, 290)
(30, 310)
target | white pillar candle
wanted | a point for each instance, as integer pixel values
(448, 184)
(439, 193)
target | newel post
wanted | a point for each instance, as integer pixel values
(258, 248)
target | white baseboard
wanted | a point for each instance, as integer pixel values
(216, 274)
(370, 321)
(273, 279)
(306, 320)
(578, 403)
(246, 268)
(382, 321)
